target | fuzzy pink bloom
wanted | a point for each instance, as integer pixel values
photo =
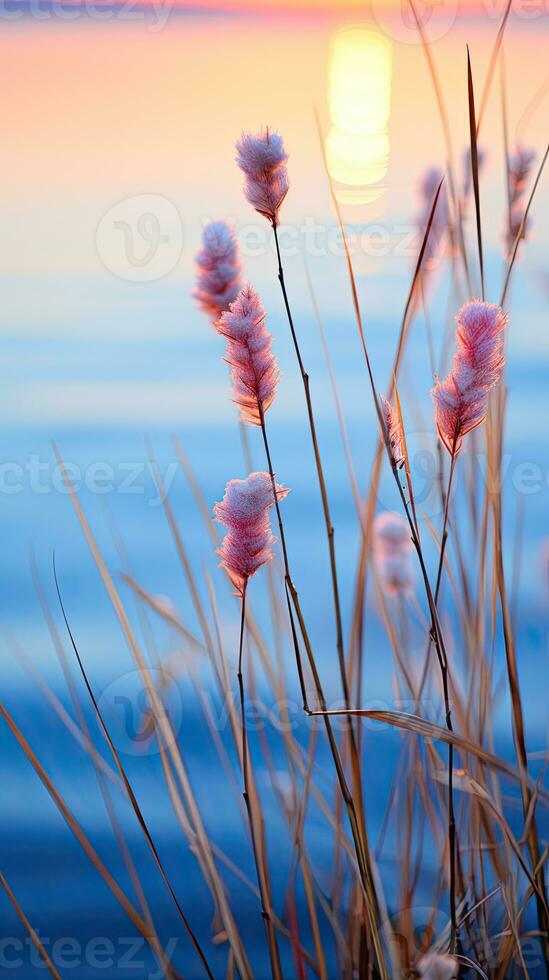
(393, 429)
(438, 966)
(520, 165)
(262, 159)
(461, 400)
(254, 369)
(393, 554)
(244, 511)
(218, 270)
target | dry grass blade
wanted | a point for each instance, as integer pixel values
(194, 826)
(339, 407)
(128, 787)
(492, 65)
(163, 611)
(73, 824)
(520, 231)
(483, 795)
(428, 729)
(32, 933)
(416, 278)
(436, 86)
(398, 409)
(474, 168)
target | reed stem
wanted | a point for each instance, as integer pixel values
(274, 955)
(361, 846)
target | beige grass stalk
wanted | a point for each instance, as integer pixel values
(362, 852)
(35, 938)
(102, 770)
(266, 901)
(166, 733)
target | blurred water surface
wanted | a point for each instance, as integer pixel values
(118, 146)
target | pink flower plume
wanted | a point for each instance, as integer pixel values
(244, 511)
(393, 428)
(438, 966)
(254, 369)
(461, 400)
(218, 270)
(392, 554)
(262, 159)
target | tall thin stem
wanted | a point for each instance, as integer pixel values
(361, 845)
(321, 480)
(438, 640)
(353, 746)
(274, 955)
(444, 670)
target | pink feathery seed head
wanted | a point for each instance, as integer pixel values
(392, 554)
(244, 511)
(461, 399)
(262, 159)
(254, 368)
(393, 428)
(438, 966)
(218, 269)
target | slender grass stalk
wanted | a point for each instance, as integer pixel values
(129, 790)
(321, 479)
(438, 640)
(474, 168)
(265, 902)
(362, 854)
(194, 822)
(34, 937)
(356, 775)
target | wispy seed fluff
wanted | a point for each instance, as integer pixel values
(520, 165)
(392, 554)
(438, 966)
(218, 269)
(461, 400)
(262, 159)
(393, 429)
(244, 511)
(254, 368)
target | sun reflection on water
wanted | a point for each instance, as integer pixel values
(359, 103)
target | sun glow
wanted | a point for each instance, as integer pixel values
(359, 102)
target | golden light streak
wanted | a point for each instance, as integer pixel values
(359, 103)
